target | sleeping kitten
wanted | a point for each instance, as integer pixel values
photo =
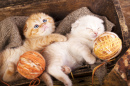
(38, 33)
(62, 57)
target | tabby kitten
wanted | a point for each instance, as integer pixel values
(38, 33)
(62, 57)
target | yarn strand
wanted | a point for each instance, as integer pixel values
(72, 75)
(33, 82)
(4, 82)
(94, 70)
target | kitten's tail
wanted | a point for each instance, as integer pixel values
(47, 79)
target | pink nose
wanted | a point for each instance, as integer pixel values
(95, 33)
(42, 25)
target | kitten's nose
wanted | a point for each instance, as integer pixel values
(42, 25)
(95, 33)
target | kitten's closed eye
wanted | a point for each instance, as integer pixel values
(99, 29)
(89, 29)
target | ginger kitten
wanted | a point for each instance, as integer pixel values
(38, 33)
(62, 57)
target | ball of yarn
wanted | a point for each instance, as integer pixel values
(31, 64)
(106, 46)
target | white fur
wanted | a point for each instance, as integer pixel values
(76, 50)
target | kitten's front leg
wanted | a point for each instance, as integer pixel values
(88, 56)
(11, 74)
(42, 42)
(85, 52)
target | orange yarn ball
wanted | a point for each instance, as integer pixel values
(31, 64)
(106, 46)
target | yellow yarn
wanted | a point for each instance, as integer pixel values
(107, 46)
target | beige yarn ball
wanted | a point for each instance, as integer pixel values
(108, 45)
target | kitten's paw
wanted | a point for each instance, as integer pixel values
(58, 37)
(11, 68)
(9, 76)
(66, 69)
(62, 38)
(92, 61)
(10, 71)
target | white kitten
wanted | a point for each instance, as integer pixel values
(62, 57)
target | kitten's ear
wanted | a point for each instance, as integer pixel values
(25, 28)
(75, 24)
(101, 21)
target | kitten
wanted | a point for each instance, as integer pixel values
(38, 33)
(62, 57)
